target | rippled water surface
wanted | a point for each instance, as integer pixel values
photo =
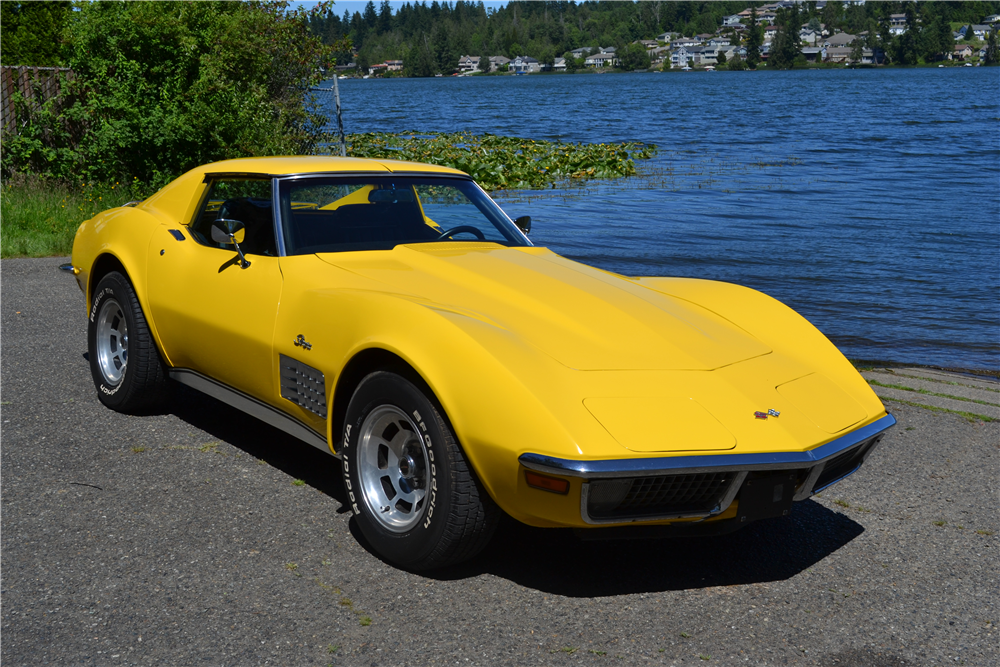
(869, 201)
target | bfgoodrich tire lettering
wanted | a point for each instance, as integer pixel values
(414, 496)
(128, 372)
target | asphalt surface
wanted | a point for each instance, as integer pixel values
(202, 537)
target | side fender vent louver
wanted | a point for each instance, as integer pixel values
(303, 385)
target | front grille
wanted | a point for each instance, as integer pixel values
(665, 495)
(842, 465)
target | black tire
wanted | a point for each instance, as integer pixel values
(128, 371)
(397, 443)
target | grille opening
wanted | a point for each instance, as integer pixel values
(662, 495)
(842, 465)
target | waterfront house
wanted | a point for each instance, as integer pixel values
(583, 51)
(680, 57)
(601, 60)
(468, 64)
(377, 70)
(872, 57)
(814, 54)
(524, 65)
(499, 63)
(838, 54)
(962, 51)
(559, 65)
(394, 65)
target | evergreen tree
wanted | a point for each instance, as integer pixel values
(970, 34)
(992, 57)
(785, 48)
(754, 40)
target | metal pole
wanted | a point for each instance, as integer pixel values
(340, 119)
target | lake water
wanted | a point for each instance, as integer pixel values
(869, 201)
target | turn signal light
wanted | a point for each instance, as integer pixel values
(546, 483)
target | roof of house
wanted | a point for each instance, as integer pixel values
(841, 39)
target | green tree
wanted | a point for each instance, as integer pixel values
(419, 61)
(633, 57)
(164, 87)
(992, 56)
(754, 40)
(970, 34)
(785, 48)
(33, 32)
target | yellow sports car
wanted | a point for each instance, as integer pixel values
(390, 314)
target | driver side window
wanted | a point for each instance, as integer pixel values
(243, 199)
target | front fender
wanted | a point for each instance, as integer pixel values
(488, 382)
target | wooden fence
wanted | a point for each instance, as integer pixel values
(36, 84)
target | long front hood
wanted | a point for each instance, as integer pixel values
(585, 318)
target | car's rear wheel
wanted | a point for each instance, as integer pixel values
(128, 372)
(415, 497)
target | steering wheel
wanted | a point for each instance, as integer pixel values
(461, 228)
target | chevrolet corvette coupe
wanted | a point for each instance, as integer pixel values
(390, 314)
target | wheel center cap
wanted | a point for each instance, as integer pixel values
(406, 466)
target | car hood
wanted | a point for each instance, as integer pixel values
(585, 318)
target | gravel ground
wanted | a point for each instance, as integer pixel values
(200, 536)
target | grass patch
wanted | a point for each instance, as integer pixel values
(984, 532)
(940, 523)
(39, 218)
(927, 392)
(971, 416)
(298, 482)
(365, 621)
(138, 450)
(842, 503)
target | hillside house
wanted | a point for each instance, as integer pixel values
(897, 24)
(840, 40)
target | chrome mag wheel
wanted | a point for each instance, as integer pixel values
(393, 468)
(112, 341)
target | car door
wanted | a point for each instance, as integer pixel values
(212, 314)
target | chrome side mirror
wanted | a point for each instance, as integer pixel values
(524, 224)
(230, 232)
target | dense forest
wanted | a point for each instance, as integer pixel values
(430, 38)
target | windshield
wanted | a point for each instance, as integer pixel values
(343, 213)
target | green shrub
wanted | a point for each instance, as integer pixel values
(162, 87)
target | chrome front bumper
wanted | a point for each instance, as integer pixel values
(703, 486)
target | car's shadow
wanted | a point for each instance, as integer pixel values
(555, 560)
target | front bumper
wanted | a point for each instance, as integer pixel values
(617, 491)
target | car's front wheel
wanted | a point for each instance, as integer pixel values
(128, 372)
(415, 497)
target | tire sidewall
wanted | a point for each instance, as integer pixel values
(111, 287)
(411, 547)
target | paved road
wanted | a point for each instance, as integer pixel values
(183, 539)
